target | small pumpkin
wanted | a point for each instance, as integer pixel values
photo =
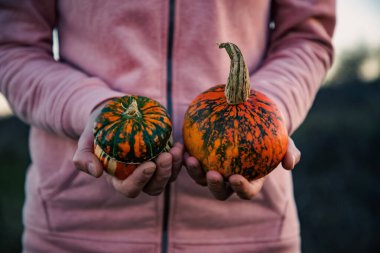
(233, 129)
(129, 131)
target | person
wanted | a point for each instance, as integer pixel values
(164, 50)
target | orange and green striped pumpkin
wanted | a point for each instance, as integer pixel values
(233, 129)
(129, 131)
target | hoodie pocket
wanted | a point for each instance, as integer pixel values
(59, 182)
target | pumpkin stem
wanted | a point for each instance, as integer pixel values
(133, 110)
(238, 85)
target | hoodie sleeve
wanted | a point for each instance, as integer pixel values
(299, 54)
(44, 93)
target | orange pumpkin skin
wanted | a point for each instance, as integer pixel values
(129, 131)
(248, 138)
(112, 166)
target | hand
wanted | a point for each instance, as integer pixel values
(236, 183)
(150, 177)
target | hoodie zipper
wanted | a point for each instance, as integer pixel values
(169, 75)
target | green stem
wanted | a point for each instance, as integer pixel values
(238, 86)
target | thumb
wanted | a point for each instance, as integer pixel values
(84, 158)
(292, 156)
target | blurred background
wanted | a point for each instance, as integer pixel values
(337, 183)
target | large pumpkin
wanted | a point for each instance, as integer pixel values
(131, 130)
(233, 129)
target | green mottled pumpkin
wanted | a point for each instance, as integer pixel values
(233, 129)
(129, 131)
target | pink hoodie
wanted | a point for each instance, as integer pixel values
(111, 48)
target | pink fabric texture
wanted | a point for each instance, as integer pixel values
(111, 48)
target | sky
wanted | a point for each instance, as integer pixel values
(358, 24)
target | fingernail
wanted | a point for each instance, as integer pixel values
(298, 157)
(238, 183)
(214, 182)
(165, 164)
(91, 169)
(293, 161)
(149, 171)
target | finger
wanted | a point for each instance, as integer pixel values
(84, 158)
(177, 154)
(195, 170)
(244, 188)
(217, 186)
(109, 178)
(133, 185)
(292, 156)
(161, 177)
